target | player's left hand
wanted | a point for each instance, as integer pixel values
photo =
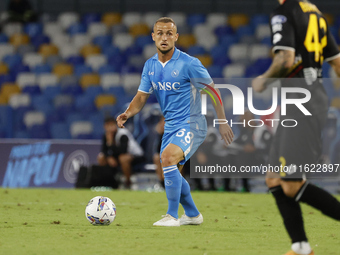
(258, 84)
(226, 133)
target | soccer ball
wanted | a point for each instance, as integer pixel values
(100, 211)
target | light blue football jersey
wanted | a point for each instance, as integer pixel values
(179, 99)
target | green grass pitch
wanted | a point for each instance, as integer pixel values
(52, 221)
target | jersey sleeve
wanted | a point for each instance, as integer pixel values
(198, 74)
(145, 83)
(282, 31)
(331, 51)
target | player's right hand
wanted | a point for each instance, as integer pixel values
(121, 119)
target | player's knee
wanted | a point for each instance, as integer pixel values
(272, 182)
(168, 159)
(291, 188)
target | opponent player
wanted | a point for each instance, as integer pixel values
(302, 42)
(169, 74)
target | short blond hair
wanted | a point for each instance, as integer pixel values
(165, 20)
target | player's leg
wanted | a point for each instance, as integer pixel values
(170, 157)
(125, 161)
(159, 172)
(291, 213)
(313, 196)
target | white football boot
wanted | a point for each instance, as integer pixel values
(167, 221)
(186, 220)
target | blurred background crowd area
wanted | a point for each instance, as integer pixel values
(65, 65)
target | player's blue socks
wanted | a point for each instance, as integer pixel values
(173, 185)
(187, 201)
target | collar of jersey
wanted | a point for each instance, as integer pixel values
(174, 56)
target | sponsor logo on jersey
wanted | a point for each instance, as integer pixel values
(166, 85)
(151, 73)
(279, 19)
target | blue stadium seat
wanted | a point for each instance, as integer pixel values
(218, 51)
(107, 69)
(228, 40)
(85, 103)
(51, 92)
(77, 28)
(6, 120)
(90, 18)
(75, 116)
(103, 41)
(21, 68)
(79, 70)
(111, 51)
(33, 29)
(244, 31)
(12, 60)
(3, 38)
(42, 68)
(32, 90)
(252, 71)
(39, 132)
(263, 64)
(18, 117)
(38, 40)
(94, 91)
(215, 71)
(60, 130)
(130, 69)
(325, 70)
(64, 110)
(224, 30)
(6, 78)
(109, 110)
(196, 50)
(195, 19)
(133, 50)
(75, 60)
(142, 41)
(74, 90)
(259, 19)
(118, 92)
(222, 61)
(42, 103)
(117, 61)
(53, 117)
(335, 32)
(267, 41)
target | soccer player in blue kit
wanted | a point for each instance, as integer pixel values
(170, 74)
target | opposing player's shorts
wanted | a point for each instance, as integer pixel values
(188, 136)
(295, 147)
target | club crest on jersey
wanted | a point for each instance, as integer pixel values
(174, 73)
(279, 19)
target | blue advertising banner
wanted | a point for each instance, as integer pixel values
(44, 163)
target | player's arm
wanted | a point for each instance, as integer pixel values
(280, 67)
(226, 132)
(135, 107)
(335, 64)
